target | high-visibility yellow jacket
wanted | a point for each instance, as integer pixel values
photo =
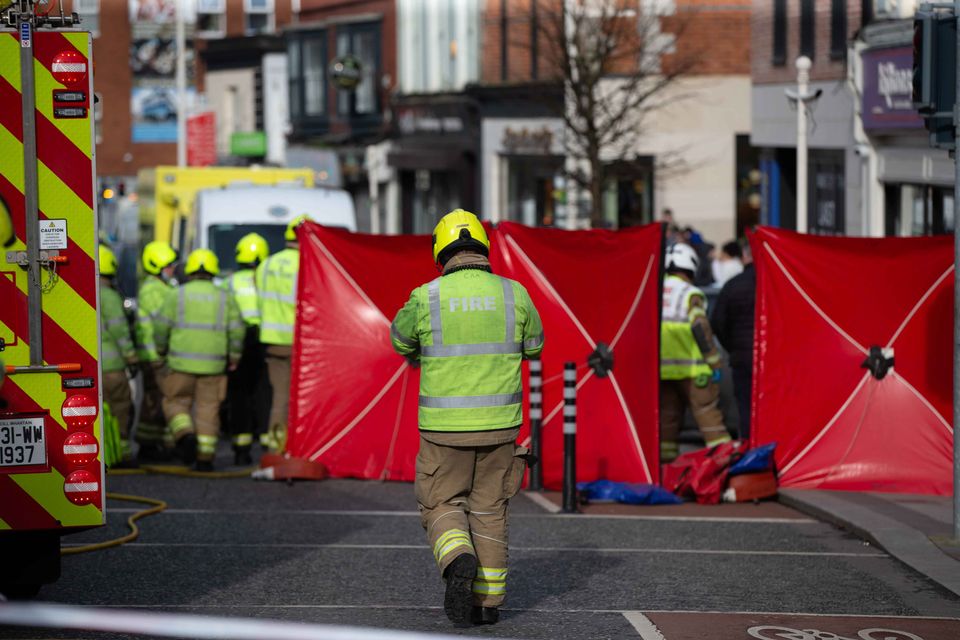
(150, 298)
(680, 357)
(242, 287)
(276, 282)
(116, 347)
(199, 329)
(470, 329)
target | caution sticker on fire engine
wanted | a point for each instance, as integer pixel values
(53, 234)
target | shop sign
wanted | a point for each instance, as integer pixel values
(888, 88)
(526, 141)
(248, 144)
(413, 121)
(346, 72)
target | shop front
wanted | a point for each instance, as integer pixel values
(434, 157)
(916, 181)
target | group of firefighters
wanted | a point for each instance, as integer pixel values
(199, 343)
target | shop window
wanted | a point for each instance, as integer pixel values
(89, 12)
(307, 59)
(211, 18)
(362, 41)
(258, 16)
(838, 30)
(779, 32)
(827, 193)
(807, 28)
(628, 193)
(534, 189)
(918, 210)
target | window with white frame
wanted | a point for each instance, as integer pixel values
(211, 18)
(259, 16)
(89, 12)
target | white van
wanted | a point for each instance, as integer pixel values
(223, 216)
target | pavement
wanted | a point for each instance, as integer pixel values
(351, 552)
(917, 530)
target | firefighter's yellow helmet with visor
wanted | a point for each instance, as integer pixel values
(202, 260)
(157, 256)
(290, 235)
(252, 249)
(108, 261)
(458, 230)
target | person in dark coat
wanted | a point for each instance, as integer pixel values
(732, 322)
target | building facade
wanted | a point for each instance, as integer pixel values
(782, 31)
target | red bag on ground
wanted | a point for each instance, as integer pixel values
(702, 474)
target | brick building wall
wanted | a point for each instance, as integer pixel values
(117, 154)
(714, 34)
(824, 68)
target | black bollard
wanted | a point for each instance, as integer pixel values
(569, 437)
(536, 421)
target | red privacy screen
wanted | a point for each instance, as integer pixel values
(822, 303)
(354, 401)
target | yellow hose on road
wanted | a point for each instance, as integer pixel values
(158, 506)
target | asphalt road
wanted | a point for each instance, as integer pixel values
(352, 552)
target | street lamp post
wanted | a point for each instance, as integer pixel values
(803, 86)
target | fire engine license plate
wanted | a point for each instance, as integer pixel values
(22, 443)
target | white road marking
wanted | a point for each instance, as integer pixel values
(414, 514)
(643, 625)
(408, 607)
(406, 547)
(541, 501)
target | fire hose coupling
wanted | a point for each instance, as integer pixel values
(879, 362)
(47, 258)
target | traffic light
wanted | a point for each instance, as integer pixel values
(935, 73)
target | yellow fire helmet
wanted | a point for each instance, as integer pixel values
(202, 260)
(157, 256)
(291, 233)
(7, 236)
(252, 249)
(457, 230)
(108, 262)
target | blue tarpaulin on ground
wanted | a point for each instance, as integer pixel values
(626, 493)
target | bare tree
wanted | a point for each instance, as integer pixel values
(616, 59)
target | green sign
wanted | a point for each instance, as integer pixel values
(249, 144)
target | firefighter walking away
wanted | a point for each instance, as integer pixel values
(200, 333)
(689, 359)
(469, 329)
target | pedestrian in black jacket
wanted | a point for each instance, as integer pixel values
(732, 322)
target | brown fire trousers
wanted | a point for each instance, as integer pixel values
(278, 370)
(463, 493)
(191, 404)
(675, 396)
(116, 393)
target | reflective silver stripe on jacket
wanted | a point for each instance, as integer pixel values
(206, 357)
(481, 349)
(402, 339)
(276, 326)
(436, 328)
(471, 402)
(533, 343)
(682, 362)
(113, 322)
(273, 295)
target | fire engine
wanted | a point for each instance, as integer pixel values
(51, 457)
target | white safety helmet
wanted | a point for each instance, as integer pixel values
(682, 257)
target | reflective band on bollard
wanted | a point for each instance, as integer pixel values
(536, 424)
(569, 437)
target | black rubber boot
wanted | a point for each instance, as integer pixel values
(203, 466)
(187, 448)
(152, 453)
(485, 615)
(242, 457)
(458, 599)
